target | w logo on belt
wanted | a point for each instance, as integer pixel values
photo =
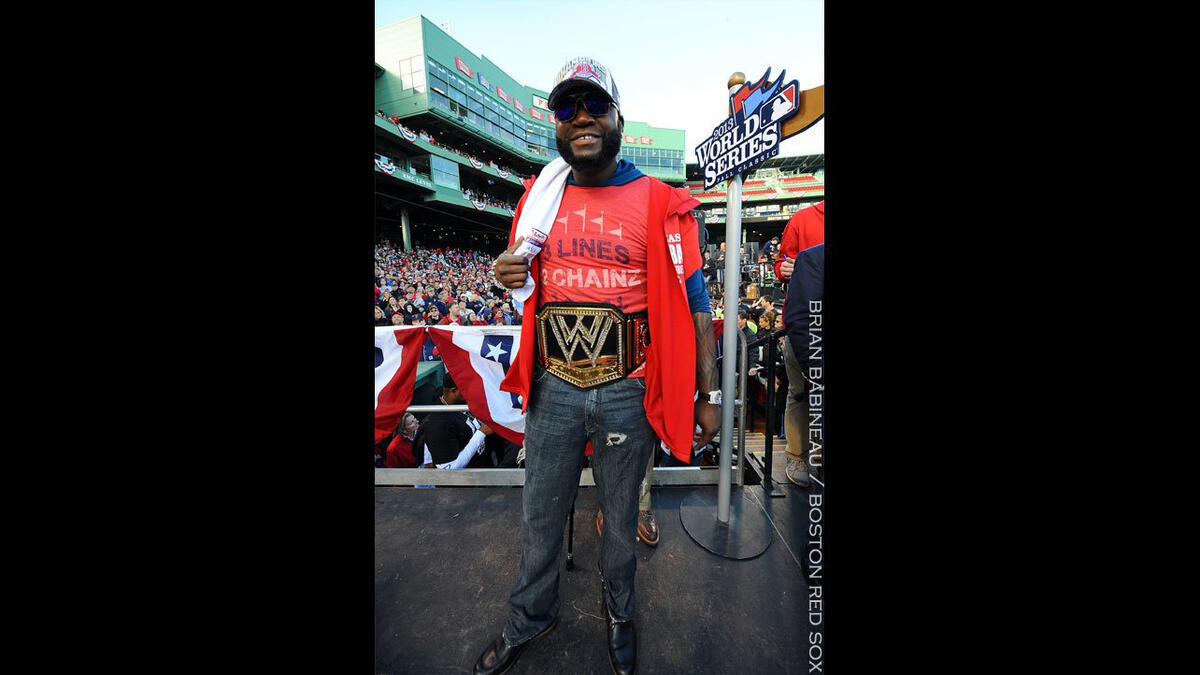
(571, 337)
(598, 330)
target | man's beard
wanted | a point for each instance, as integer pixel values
(610, 147)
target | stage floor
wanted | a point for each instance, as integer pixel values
(446, 559)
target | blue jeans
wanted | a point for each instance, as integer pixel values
(560, 420)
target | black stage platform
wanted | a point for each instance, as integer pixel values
(446, 558)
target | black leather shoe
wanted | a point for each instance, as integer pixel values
(499, 657)
(622, 647)
(622, 641)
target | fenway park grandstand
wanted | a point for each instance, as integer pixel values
(455, 136)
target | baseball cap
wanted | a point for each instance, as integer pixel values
(583, 70)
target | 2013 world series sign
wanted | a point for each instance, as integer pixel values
(751, 134)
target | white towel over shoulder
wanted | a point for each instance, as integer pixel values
(539, 211)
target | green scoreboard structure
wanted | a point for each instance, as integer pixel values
(449, 172)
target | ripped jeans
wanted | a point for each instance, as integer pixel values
(561, 418)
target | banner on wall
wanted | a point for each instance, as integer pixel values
(385, 165)
(464, 67)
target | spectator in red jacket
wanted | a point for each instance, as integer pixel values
(806, 228)
(400, 450)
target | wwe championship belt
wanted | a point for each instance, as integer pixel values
(588, 344)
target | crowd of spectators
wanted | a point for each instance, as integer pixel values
(438, 286)
(490, 200)
(759, 308)
(429, 138)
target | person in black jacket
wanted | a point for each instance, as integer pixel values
(807, 286)
(806, 334)
(450, 440)
(752, 360)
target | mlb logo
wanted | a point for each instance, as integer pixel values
(586, 70)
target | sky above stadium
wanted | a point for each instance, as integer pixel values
(671, 59)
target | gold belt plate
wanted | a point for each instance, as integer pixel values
(590, 342)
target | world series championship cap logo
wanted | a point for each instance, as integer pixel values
(584, 69)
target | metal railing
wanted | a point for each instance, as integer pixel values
(663, 475)
(770, 338)
(500, 477)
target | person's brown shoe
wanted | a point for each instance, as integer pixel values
(647, 528)
(599, 523)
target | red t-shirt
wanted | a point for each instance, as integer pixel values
(596, 251)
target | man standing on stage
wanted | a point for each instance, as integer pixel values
(617, 341)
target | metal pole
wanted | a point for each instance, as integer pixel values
(733, 275)
(743, 359)
(436, 408)
(768, 485)
(405, 231)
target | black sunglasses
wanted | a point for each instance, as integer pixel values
(595, 104)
